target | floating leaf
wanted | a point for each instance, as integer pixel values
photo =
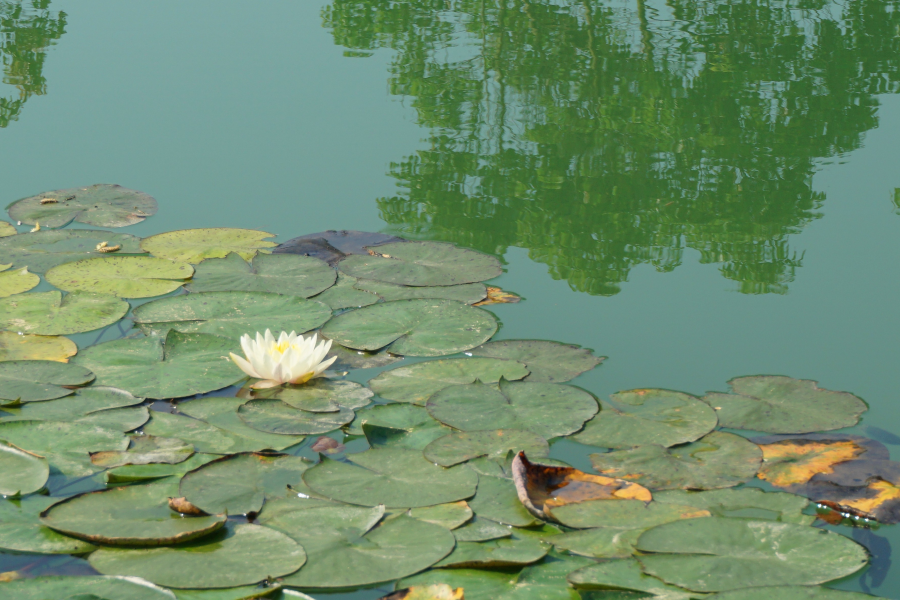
(423, 264)
(716, 460)
(416, 383)
(398, 426)
(101, 205)
(481, 530)
(235, 555)
(184, 365)
(320, 395)
(496, 295)
(547, 409)
(195, 245)
(144, 473)
(70, 408)
(716, 554)
(790, 461)
(16, 281)
(450, 515)
(145, 450)
(413, 327)
(331, 246)
(36, 380)
(240, 483)
(784, 405)
(549, 362)
(65, 445)
(359, 359)
(621, 514)
(461, 446)
(789, 592)
(426, 592)
(277, 273)
(230, 314)
(119, 588)
(46, 249)
(51, 313)
(467, 293)
(222, 412)
(275, 416)
(209, 438)
(122, 276)
(21, 472)
(393, 477)
(506, 552)
(136, 515)
(15, 346)
(496, 500)
(7, 229)
(625, 574)
(120, 419)
(599, 542)
(247, 592)
(639, 417)
(752, 503)
(21, 529)
(343, 294)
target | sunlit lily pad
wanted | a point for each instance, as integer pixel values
(16, 281)
(461, 446)
(145, 450)
(21, 472)
(599, 542)
(343, 294)
(481, 530)
(120, 419)
(413, 327)
(195, 245)
(150, 472)
(393, 477)
(550, 362)
(504, 552)
(235, 555)
(625, 575)
(43, 250)
(439, 591)
(320, 395)
(652, 416)
(277, 273)
(184, 365)
(789, 592)
(397, 426)
(64, 444)
(239, 484)
(416, 383)
(209, 438)
(119, 588)
(70, 408)
(422, 264)
(752, 503)
(230, 314)
(51, 313)
(21, 529)
(784, 405)
(547, 409)
(275, 416)
(716, 460)
(222, 413)
(37, 380)
(716, 554)
(122, 276)
(6, 229)
(467, 293)
(496, 500)
(15, 346)
(348, 358)
(450, 515)
(101, 205)
(623, 514)
(136, 515)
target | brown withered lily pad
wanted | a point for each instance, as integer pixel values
(543, 487)
(497, 295)
(438, 591)
(794, 460)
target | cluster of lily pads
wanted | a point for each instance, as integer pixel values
(436, 474)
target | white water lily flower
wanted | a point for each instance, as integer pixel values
(291, 358)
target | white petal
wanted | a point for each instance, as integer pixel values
(243, 365)
(324, 365)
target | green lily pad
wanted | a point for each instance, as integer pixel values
(246, 592)
(51, 313)
(638, 417)
(120, 588)
(450, 515)
(481, 530)
(16, 346)
(717, 554)
(69, 408)
(348, 358)
(497, 500)
(393, 477)
(195, 245)
(777, 404)
(230, 314)
(413, 327)
(752, 503)
(240, 483)
(320, 395)
(209, 438)
(21, 472)
(43, 250)
(222, 413)
(122, 276)
(599, 542)
(423, 264)
(625, 574)
(789, 592)
(101, 205)
(16, 281)
(120, 419)
(416, 383)
(548, 362)
(467, 293)
(145, 450)
(234, 555)
(6, 229)
(149, 472)
(184, 365)
(505, 552)
(547, 409)
(622, 514)
(337, 537)
(137, 515)
(397, 426)
(21, 529)
(275, 416)
(459, 447)
(343, 294)
(717, 460)
(290, 274)
(417, 438)
(36, 380)
(65, 445)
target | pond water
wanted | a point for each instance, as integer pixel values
(698, 190)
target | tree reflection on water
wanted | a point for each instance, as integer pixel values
(602, 136)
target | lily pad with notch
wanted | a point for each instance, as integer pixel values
(625, 575)
(461, 446)
(343, 294)
(64, 444)
(36, 380)
(450, 515)
(397, 426)
(21, 472)
(599, 542)
(43, 250)
(120, 588)
(319, 395)
(275, 273)
(51, 313)
(222, 413)
(275, 416)
(16, 346)
(209, 438)
(21, 529)
(496, 500)
(333, 245)
(16, 281)
(145, 450)
(128, 474)
(100, 205)
(467, 293)
(789, 592)
(547, 361)
(6, 229)
(622, 514)
(121, 419)
(84, 402)
(752, 503)
(196, 245)
(513, 551)
(122, 276)
(480, 529)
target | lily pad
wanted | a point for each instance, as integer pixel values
(416, 383)
(789, 592)
(331, 246)
(777, 404)
(599, 542)
(413, 327)
(639, 417)
(145, 450)
(120, 588)
(752, 503)
(290, 274)
(120, 419)
(461, 446)
(51, 313)
(393, 477)
(547, 409)
(275, 416)
(626, 575)
(122, 276)
(717, 460)
(467, 293)
(548, 362)
(70, 408)
(397, 426)
(36, 380)
(184, 365)
(230, 314)
(136, 515)
(21, 472)
(717, 554)
(496, 500)
(423, 264)
(21, 529)
(6, 229)
(209, 438)
(64, 444)
(348, 358)
(239, 484)
(450, 515)
(505, 552)
(15, 346)
(234, 555)
(43, 250)
(426, 592)
(16, 281)
(149, 472)
(481, 530)
(195, 245)
(623, 514)
(101, 205)
(222, 412)
(320, 395)
(343, 294)
(246, 592)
